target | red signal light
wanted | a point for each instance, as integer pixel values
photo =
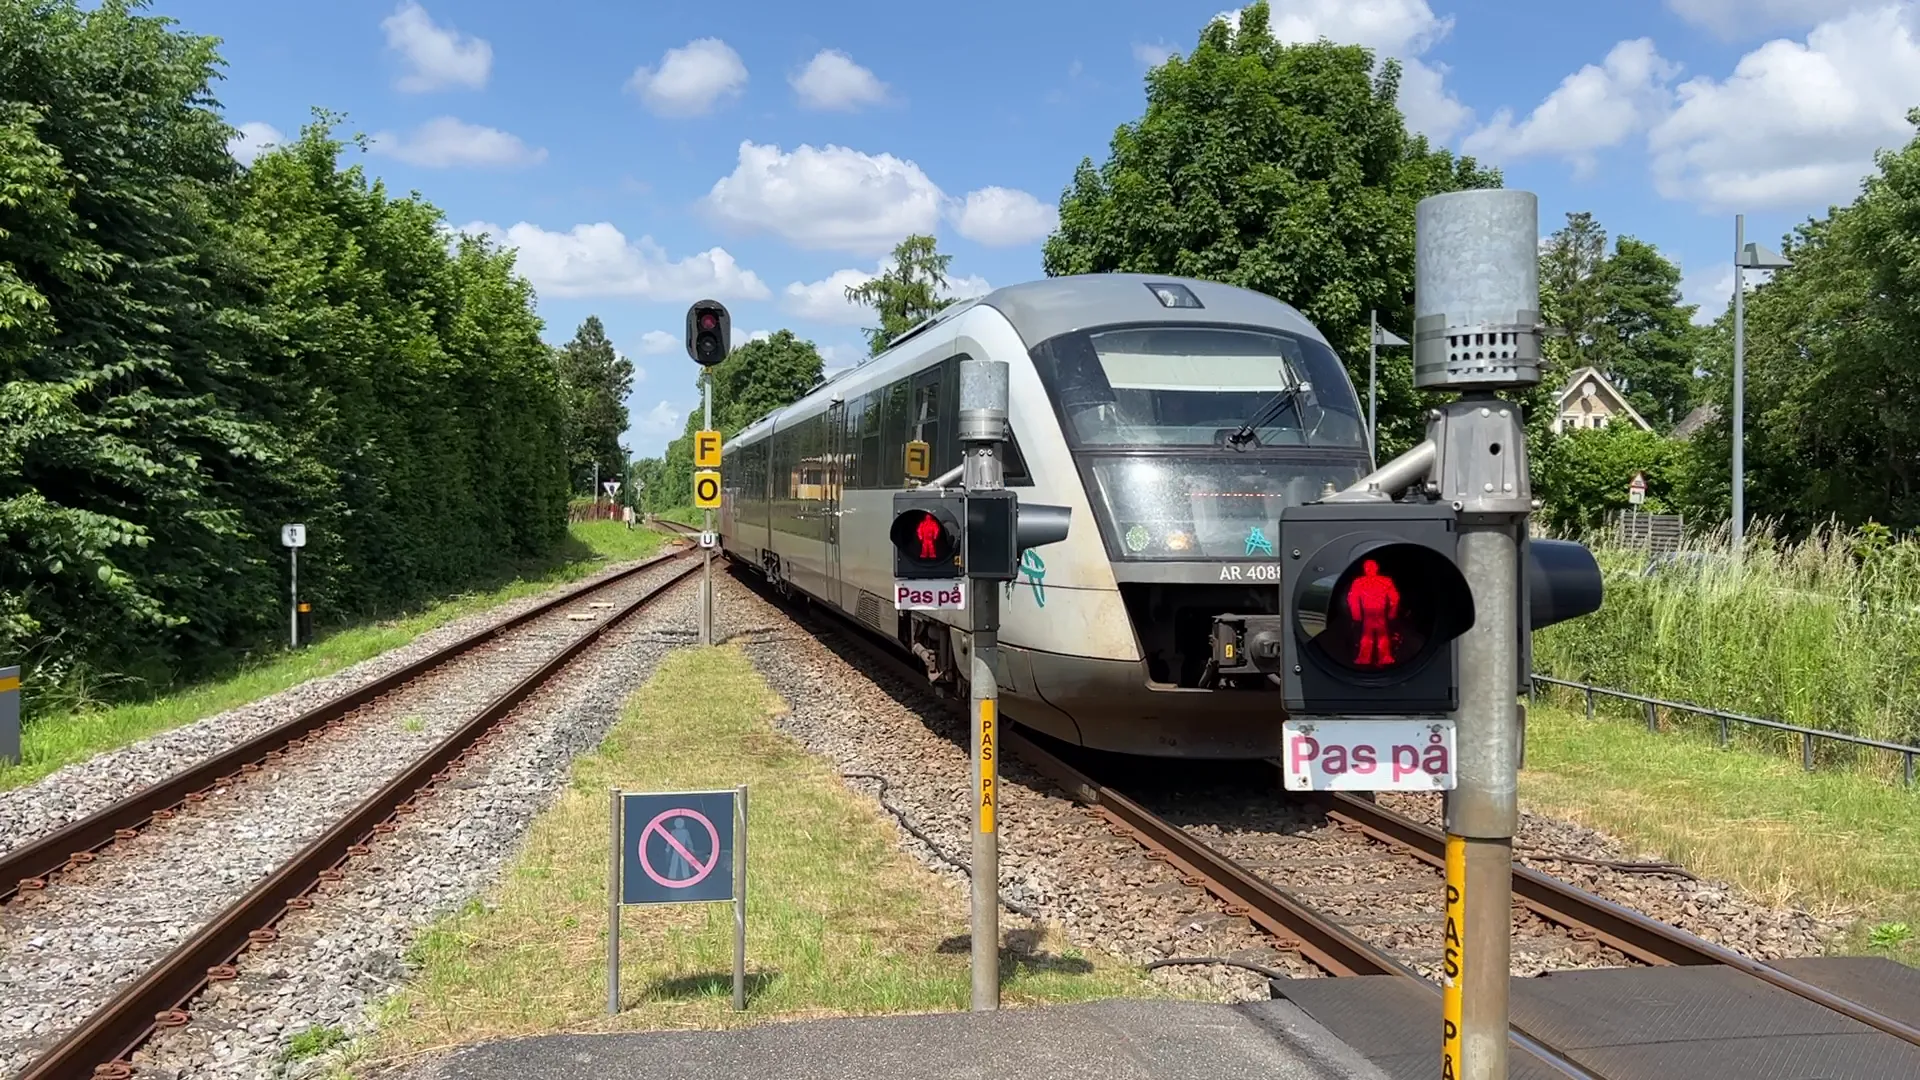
(922, 536)
(708, 320)
(1373, 601)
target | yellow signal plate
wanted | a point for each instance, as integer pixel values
(706, 449)
(706, 489)
(919, 457)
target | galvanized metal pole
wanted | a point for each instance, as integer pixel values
(1739, 381)
(983, 426)
(1373, 380)
(706, 558)
(1477, 329)
(740, 899)
(613, 902)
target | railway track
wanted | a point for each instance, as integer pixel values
(83, 861)
(1394, 930)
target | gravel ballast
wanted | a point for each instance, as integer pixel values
(68, 948)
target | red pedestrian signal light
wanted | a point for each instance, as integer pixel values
(1375, 602)
(709, 332)
(928, 535)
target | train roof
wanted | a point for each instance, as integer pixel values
(1053, 306)
(1049, 307)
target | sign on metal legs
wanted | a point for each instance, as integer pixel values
(293, 538)
(685, 847)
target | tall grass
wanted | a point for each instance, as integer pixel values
(1822, 632)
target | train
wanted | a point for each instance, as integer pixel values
(1174, 417)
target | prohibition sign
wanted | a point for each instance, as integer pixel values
(700, 869)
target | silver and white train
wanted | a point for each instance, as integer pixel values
(1174, 417)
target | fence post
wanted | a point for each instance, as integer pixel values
(1723, 732)
(1806, 750)
(1589, 689)
(1908, 781)
(1653, 718)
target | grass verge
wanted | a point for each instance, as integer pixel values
(61, 738)
(840, 921)
(1838, 843)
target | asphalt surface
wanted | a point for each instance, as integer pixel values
(1108, 1040)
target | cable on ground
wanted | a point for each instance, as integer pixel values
(920, 834)
(1181, 961)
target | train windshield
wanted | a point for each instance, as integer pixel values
(1186, 507)
(1187, 385)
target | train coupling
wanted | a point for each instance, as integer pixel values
(1246, 649)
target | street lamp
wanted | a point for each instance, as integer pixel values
(1745, 257)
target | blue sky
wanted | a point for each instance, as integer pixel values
(642, 156)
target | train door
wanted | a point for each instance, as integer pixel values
(832, 484)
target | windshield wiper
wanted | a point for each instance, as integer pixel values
(1294, 394)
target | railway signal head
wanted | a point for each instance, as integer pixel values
(709, 332)
(1375, 605)
(929, 535)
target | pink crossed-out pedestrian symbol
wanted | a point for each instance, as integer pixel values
(686, 868)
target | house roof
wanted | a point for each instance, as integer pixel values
(1700, 417)
(1606, 387)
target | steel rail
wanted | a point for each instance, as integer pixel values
(1295, 925)
(1646, 939)
(29, 865)
(108, 1038)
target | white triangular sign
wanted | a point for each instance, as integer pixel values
(1384, 336)
(612, 486)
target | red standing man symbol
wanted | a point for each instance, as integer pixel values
(1372, 600)
(928, 532)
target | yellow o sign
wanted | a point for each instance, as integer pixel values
(706, 489)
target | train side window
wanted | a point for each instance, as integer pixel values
(924, 422)
(893, 436)
(868, 419)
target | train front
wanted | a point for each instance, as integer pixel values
(1190, 430)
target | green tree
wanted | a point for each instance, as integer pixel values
(761, 376)
(596, 380)
(1833, 394)
(906, 293)
(753, 380)
(1582, 476)
(193, 353)
(1620, 313)
(1283, 168)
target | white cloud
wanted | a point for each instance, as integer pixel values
(598, 260)
(655, 342)
(691, 79)
(831, 199)
(440, 56)
(662, 419)
(831, 80)
(1000, 217)
(1152, 55)
(1599, 106)
(254, 137)
(966, 288)
(445, 141)
(1796, 122)
(840, 199)
(826, 300)
(1738, 18)
(1401, 29)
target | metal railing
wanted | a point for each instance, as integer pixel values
(1653, 705)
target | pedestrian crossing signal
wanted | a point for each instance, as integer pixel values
(1376, 605)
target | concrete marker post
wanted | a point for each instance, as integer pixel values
(983, 426)
(614, 840)
(10, 715)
